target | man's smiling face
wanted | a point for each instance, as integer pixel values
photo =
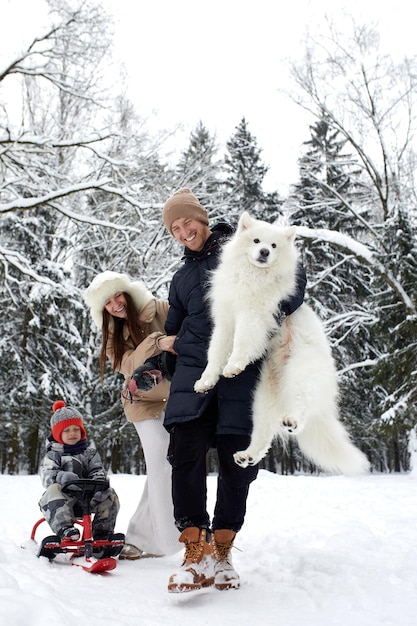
(190, 233)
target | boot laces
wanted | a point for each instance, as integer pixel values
(194, 551)
(222, 550)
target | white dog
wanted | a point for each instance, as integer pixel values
(297, 391)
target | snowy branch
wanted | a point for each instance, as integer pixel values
(333, 191)
(33, 140)
(362, 253)
(31, 203)
(353, 366)
(20, 263)
(76, 217)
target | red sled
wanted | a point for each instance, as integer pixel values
(93, 555)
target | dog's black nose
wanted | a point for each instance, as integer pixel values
(264, 252)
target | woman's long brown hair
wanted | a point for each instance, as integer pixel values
(135, 332)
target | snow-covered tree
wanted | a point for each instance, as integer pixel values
(122, 237)
(40, 162)
(199, 168)
(371, 102)
(244, 176)
(53, 151)
(338, 282)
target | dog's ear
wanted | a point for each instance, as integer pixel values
(291, 233)
(245, 221)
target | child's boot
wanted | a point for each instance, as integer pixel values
(69, 533)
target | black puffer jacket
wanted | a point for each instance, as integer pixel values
(189, 319)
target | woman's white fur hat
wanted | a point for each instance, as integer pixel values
(108, 283)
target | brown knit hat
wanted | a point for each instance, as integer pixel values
(183, 203)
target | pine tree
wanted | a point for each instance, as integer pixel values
(395, 374)
(370, 98)
(337, 283)
(199, 170)
(245, 173)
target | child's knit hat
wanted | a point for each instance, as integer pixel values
(63, 417)
(183, 203)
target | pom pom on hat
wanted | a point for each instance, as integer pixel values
(59, 404)
(63, 417)
(106, 284)
(183, 203)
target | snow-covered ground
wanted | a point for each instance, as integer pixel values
(314, 551)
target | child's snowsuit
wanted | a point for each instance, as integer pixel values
(62, 464)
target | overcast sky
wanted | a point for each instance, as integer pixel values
(225, 59)
(218, 61)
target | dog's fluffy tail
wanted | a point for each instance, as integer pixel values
(331, 449)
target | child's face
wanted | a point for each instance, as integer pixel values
(71, 435)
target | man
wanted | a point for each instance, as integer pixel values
(220, 418)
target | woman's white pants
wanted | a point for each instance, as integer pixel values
(152, 527)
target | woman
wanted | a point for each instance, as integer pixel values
(131, 321)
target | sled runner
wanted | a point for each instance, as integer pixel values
(93, 555)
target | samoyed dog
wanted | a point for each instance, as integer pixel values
(297, 392)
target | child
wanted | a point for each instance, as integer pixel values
(69, 457)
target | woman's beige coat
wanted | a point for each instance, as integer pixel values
(145, 405)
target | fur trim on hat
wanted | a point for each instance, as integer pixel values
(108, 283)
(63, 417)
(183, 204)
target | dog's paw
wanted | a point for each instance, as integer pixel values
(233, 369)
(291, 426)
(204, 384)
(243, 458)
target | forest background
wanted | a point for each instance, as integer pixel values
(82, 184)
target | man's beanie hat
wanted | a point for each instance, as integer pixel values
(106, 284)
(183, 203)
(64, 416)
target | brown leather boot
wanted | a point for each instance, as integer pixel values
(196, 570)
(225, 576)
